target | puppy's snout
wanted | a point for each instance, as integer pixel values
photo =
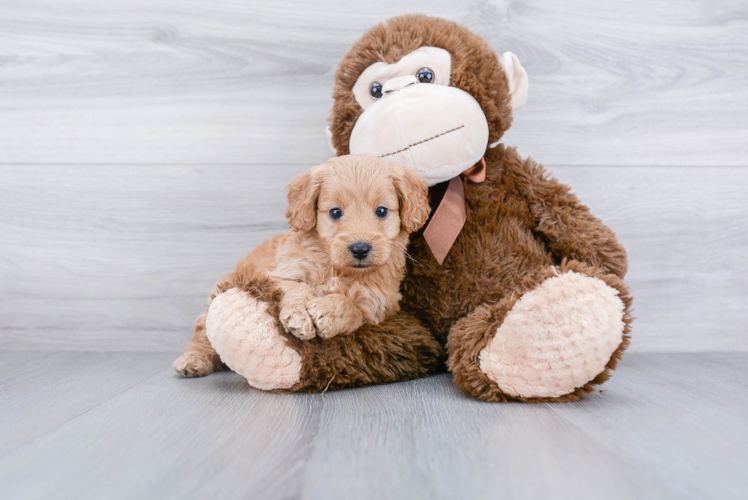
(360, 250)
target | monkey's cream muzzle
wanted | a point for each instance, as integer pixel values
(435, 130)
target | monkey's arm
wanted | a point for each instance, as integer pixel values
(564, 223)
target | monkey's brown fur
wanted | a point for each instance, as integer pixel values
(520, 221)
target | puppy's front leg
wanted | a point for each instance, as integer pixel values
(293, 312)
(334, 314)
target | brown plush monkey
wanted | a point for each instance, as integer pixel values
(512, 273)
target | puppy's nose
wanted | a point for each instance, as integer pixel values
(360, 250)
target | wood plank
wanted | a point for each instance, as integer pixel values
(171, 437)
(122, 258)
(651, 434)
(630, 83)
(426, 439)
(40, 391)
(676, 419)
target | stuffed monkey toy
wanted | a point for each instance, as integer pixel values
(512, 274)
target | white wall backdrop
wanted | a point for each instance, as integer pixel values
(144, 147)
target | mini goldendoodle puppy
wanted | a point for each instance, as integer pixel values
(341, 265)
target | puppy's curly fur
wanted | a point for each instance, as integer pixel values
(329, 289)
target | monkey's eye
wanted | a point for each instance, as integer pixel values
(425, 75)
(382, 212)
(336, 213)
(375, 90)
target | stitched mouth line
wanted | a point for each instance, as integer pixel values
(425, 140)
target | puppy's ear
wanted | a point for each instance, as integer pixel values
(412, 193)
(303, 192)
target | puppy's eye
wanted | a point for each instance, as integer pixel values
(425, 75)
(382, 212)
(375, 90)
(336, 213)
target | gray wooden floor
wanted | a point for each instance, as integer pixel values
(123, 425)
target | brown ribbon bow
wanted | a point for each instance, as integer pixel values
(450, 215)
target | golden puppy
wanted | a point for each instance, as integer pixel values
(342, 263)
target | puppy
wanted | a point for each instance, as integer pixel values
(341, 265)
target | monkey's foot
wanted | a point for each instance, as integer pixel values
(247, 337)
(556, 338)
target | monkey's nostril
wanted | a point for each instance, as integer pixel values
(360, 250)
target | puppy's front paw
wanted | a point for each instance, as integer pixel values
(328, 316)
(296, 321)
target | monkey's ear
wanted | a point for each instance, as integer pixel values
(412, 194)
(518, 83)
(303, 192)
